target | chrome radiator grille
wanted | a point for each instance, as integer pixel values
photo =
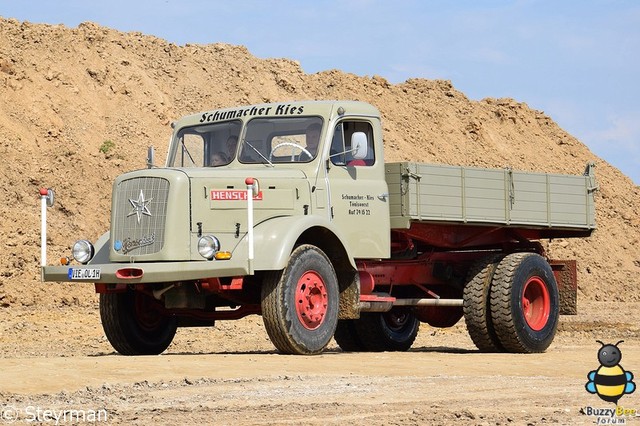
(139, 215)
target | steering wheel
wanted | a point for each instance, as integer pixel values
(291, 144)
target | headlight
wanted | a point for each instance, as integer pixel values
(208, 245)
(83, 251)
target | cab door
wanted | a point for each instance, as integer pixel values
(358, 193)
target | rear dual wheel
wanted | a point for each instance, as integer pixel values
(477, 305)
(511, 304)
(395, 330)
(347, 336)
(524, 303)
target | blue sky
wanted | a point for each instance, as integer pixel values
(578, 61)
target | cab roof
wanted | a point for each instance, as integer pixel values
(326, 109)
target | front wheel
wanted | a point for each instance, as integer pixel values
(133, 325)
(524, 303)
(300, 303)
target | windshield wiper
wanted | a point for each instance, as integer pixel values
(260, 154)
(184, 149)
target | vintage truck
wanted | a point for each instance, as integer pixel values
(289, 211)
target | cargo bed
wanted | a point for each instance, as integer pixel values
(559, 205)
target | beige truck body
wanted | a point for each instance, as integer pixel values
(470, 195)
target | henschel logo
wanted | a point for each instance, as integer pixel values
(140, 206)
(129, 244)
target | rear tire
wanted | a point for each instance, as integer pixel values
(300, 303)
(347, 338)
(477, 305)
(133, 325)
(395, 330)
(524, 303)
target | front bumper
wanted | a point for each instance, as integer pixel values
(151, 272)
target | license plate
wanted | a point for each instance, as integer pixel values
(84, 273)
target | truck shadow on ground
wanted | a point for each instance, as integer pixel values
(332, 351)
(444, 349)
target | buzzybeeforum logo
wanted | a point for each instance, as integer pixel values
(610, 382)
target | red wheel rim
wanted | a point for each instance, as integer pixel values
(311, 300)
(536, 303)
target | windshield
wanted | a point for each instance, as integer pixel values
(209, 145)
(281, 140)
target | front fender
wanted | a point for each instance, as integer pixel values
(102, 246)
(275, 239)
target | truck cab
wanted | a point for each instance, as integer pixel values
(306, 164)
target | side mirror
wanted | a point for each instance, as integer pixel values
(359, 146)
(150, 157)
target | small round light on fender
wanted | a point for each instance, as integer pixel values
(223, 255)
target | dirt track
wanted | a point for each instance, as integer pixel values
(232, 375)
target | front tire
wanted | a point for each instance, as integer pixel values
(133, 325)
(524, 303)
(300, 303)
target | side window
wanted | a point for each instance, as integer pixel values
(337, 153)
(342, 153)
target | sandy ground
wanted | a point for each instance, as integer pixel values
(59, 360)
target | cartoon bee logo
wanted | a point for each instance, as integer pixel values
(610, 381)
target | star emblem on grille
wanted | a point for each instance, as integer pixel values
(140, 207)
